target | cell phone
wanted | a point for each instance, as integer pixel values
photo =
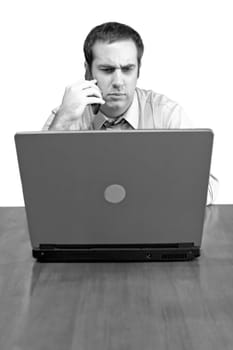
(95, 106)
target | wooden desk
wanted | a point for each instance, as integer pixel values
(117, 306)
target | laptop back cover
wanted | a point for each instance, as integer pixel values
(131, 187)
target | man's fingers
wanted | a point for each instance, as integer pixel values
(88, 82)
(87, 87)
(85, 84)
(78, 95)
(93, 92)
(92, 100)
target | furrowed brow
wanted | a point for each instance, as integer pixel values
(130, 65)
(106, 66)
(103, 66)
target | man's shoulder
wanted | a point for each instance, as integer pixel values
(155, 98)
(164, 112)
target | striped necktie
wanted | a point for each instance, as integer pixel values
(118, 124)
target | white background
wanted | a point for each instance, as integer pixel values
(188, 57)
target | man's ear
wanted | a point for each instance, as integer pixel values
(88, 75)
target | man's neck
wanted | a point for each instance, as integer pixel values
(111, 116)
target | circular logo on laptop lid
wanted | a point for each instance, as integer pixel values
(114, 193)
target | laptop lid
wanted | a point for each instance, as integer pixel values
(137, 187)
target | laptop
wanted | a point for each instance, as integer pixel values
(137, 195)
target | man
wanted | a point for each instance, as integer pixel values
(108, 97)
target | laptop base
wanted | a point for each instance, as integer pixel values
(116, 253)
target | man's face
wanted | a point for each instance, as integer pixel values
(115, 67)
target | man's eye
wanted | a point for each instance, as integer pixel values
(127, 69)
(108, 70)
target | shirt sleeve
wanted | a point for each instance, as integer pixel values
(174, 117)
(50, 119)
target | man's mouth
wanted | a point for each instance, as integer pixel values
(116, 94)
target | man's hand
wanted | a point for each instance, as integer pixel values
(75, 100)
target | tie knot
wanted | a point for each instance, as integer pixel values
(111, 123)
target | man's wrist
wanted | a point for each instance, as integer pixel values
(61, 121)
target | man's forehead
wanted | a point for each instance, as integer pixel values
(118, 52)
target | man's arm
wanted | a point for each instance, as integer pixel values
(76, 97)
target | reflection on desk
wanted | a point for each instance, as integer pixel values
(171, 305)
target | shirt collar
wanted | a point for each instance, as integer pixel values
(131, 116)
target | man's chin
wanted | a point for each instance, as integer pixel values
(114, 109)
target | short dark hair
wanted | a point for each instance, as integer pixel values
(111, 32)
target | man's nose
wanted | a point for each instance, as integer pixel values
(117, 80)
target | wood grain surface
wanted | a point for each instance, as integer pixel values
(117, 306)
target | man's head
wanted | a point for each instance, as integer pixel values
(111, 32)
(113, 53)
